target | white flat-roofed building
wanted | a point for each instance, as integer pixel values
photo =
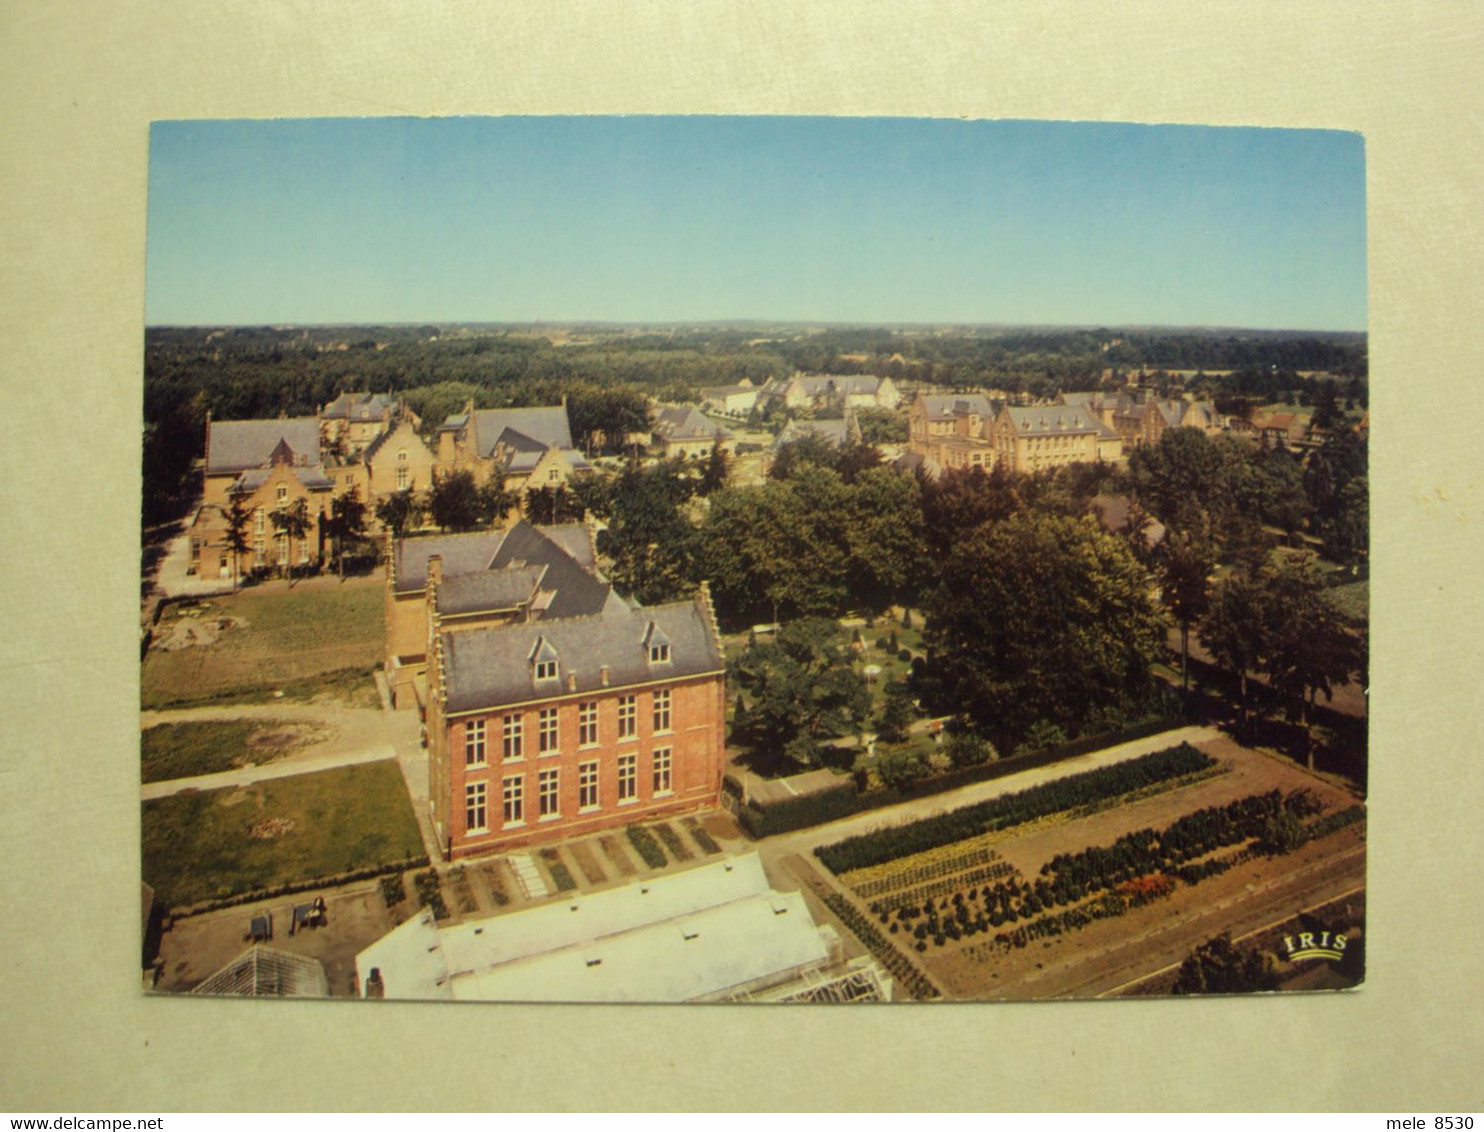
(710, 933)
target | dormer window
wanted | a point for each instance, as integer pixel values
(544, 660)
(658, 645)
(283, 493)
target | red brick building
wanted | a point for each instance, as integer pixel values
(550, 727)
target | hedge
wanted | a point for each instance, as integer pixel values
(768, 819)
(293, 888)
(1012, 809)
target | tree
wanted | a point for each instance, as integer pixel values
(899, 770)
(654, 546)
(1309, 649)
(717, 469)
(1040, 617)
(399, 511)
(802, 690)
(238, 515)
(897, 713)
(549, 505)
(1219, 967)
(1235, 630)
(454, 502)
(1185, 562)
(293, 522)
(347, 523)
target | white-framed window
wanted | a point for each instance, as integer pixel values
(587, 786)
(587, 724)
(546, 736)
(303, 551)
(259, 521)
(548, 793)
(404, 477)
(401, 455)
(662, 710)
(659, 653)
(474, 742)
(283, 493)
(662, 761)
(628, 717)
(475, 811)
(512, 731)
(514, 807)
(554, 475)
(628, 778)
(546, 670)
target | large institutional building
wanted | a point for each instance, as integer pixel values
(552, 706)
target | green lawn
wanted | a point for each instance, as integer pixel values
(184, 750)
(305, 641)
(202, 846)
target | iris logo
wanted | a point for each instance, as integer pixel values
(1314, 945)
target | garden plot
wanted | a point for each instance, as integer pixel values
(981, 913)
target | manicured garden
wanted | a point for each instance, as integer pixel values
(313, 639)
(221, 843)
(184, 750)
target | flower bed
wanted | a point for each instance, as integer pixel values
(647, 847)
(923, 867)
(1012, 809)
(702, 838)
(673, 843)
(430, 894)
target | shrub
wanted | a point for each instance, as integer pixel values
(393, 891)
(673, 843)
(647, 847)
(430, 894)
(904, 655)
(965, 749)
(899, 770)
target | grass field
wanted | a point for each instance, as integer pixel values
(307, 641)
(1353, 600)
(202, 846)
(184, 750)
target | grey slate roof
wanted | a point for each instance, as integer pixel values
(487, 668)
(562, 557)
(578, 591)
(547, 425)
(1052, 420)
(947, 406)
(489, 589)
(838, 385)
(684, 422)
(359, 406)
(462, 554)
(833, 433)
(312, 478)
(233, 446)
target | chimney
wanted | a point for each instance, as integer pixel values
(603, 675)
(571, 681)
(375, 988)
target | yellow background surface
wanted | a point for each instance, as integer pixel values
(79, 85)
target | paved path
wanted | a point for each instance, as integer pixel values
(246, 776)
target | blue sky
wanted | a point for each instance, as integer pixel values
(681, 219)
